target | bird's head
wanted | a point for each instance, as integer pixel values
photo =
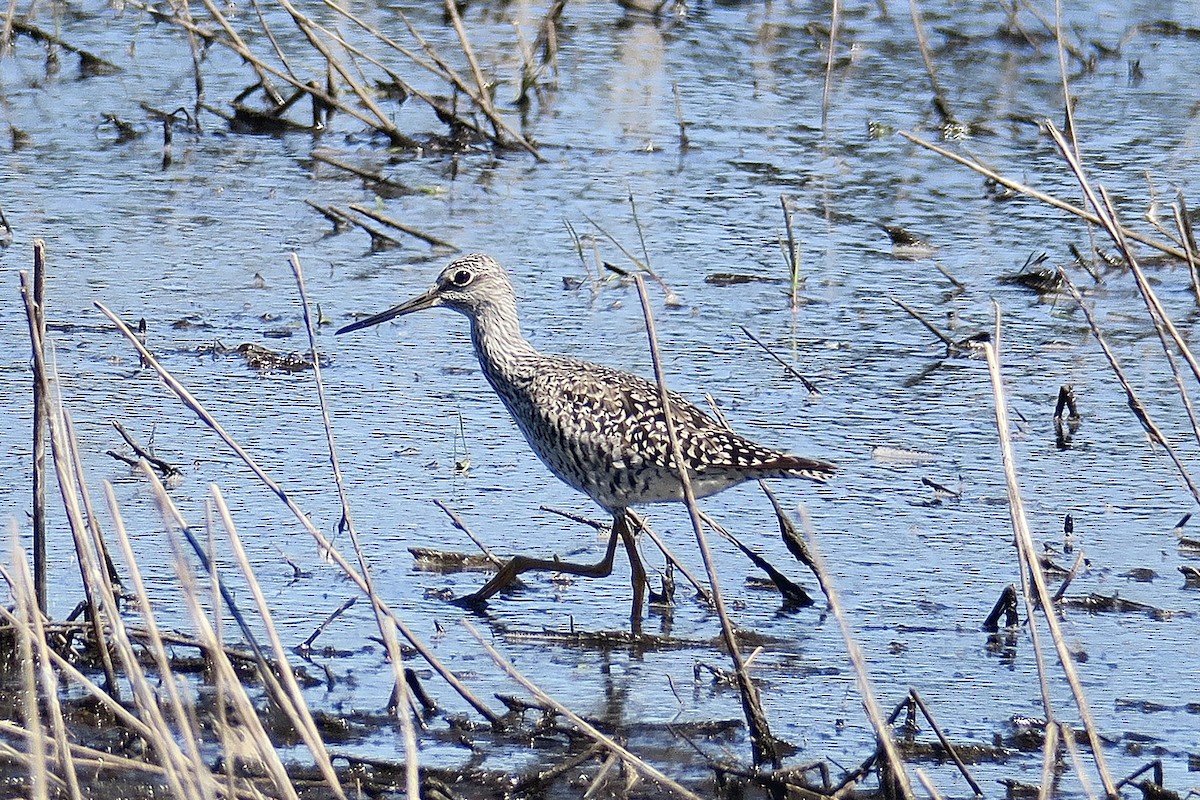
(467, 285)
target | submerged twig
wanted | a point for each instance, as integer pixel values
(812, 389)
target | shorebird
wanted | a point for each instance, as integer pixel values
(600, 430)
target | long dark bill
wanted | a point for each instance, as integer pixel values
(427, 300)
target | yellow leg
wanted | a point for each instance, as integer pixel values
(519, 564)
(638, 572)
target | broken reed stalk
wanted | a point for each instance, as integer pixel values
(392, 222)
(72, 673)
(702, 592)
(263, 69)
(457, 522)
(38, 322)
(483, 97)
(386, 631)
(323, 542)
(579, 722)
(1068, 104)
(945, 741)
(1184, 226)
(383, 121)
(1048, 199)
(1131, 397)
(182, 774)
(764, 748)
(862, 679)
(1028, 555)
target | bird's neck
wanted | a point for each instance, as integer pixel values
(503, 352)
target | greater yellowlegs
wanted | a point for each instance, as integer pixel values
(600, 430)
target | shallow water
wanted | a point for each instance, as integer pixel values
(207, 240)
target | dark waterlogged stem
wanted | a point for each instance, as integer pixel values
(37, 322)
(763, 745)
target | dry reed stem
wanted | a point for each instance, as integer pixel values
(835, 22)
(40, 413)
(1161, 320)
(239, 46)
(386, 631)
(30, 707)
(788, 368)
(764, 748)
(579, 722)
(1131, 397)
(457, 522)
(275, 677)
(939, 96)
(156, 647)
(1028, 554)
(1048, 199)
(1068, 105)
(928, 784)
(59, 452)
(225, 676)
(483, 97)
(323, 542)
(181, 772)
(1179, 213)
(702, 591)
(48, 681)
(1067, 737)
(440, 69)
(1049, 760)
(296, 709)
(95, 761)
(306, 26)
(1119, 235)
(125, 717)
(484, 103)
(392, 222)
(862, 679)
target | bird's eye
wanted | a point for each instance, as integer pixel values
(462, 277)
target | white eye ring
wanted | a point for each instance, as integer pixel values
(462, 277)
